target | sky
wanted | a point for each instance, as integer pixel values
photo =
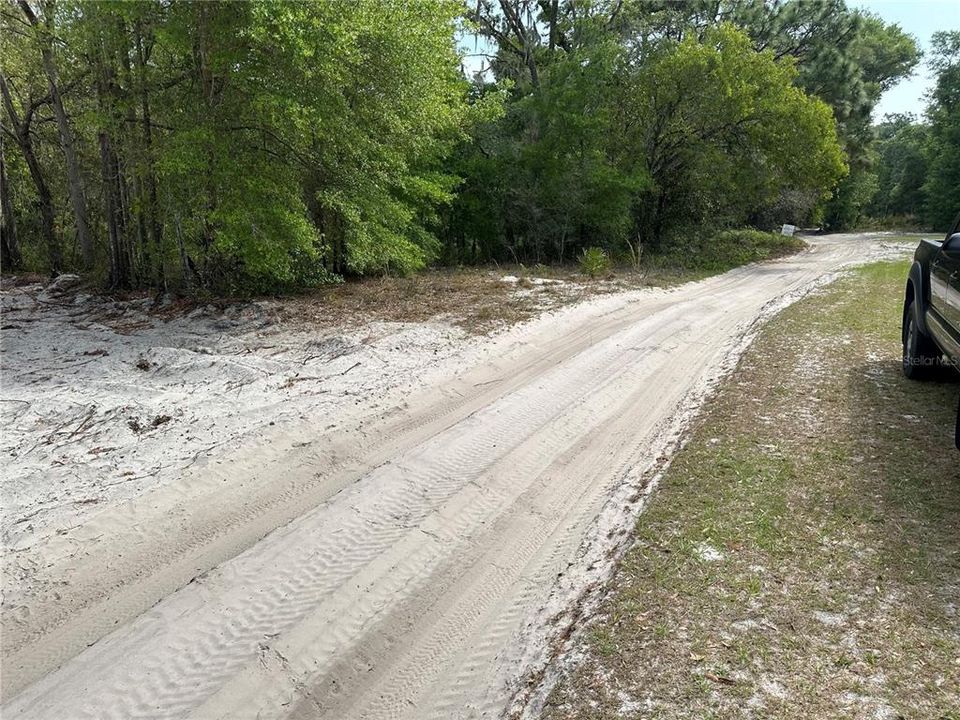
(920, 18)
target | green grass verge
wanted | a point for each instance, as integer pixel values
(801, 557)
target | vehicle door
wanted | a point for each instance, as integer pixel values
(945, 279)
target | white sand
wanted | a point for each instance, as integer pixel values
(78, 413)
(410, 538)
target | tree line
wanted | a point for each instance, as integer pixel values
(917, 163)
(253, 146)
(228, 145)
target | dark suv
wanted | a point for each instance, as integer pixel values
(931, 308)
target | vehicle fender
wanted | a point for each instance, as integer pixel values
(921, 294)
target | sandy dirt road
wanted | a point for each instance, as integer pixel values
(407, 569)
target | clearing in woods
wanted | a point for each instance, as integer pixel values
(377, 554)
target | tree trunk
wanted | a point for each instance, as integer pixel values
(120, 260)
(119, 265)
(66, 135)
(186, 266)
(657, 229)
(10, 257)
(21, 129)
(209, 87)
(554, 16)
(150, 178)
(54, 256)
(129, 166)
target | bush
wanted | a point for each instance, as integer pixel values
(728, 249)
(594, 262)
(902, 223)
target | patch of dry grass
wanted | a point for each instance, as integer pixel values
(476, 299)
(801, 558)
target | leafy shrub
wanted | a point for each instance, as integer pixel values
(594, 262)
(728, 249)
(903, 223)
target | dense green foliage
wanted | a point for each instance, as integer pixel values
(645, 122)
(234, 145)
(918, 177)
(251, 146)
(846, 58)
(731, 248)
(942, 188)
(903, 167)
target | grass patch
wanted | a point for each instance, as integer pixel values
(709, 255)
(477, 299)
(801, 557)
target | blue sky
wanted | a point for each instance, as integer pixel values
(920, 18)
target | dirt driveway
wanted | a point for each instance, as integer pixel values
(416, 565)
(801, 558)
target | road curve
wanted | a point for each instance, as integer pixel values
(397, 572)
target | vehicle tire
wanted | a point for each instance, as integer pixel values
(956, 429)
(921, 358)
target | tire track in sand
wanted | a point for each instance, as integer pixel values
(403, 591)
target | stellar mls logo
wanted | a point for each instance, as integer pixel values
(940, 361)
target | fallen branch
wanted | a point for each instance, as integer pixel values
(93, 410)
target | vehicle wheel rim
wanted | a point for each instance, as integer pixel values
(909, 347)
